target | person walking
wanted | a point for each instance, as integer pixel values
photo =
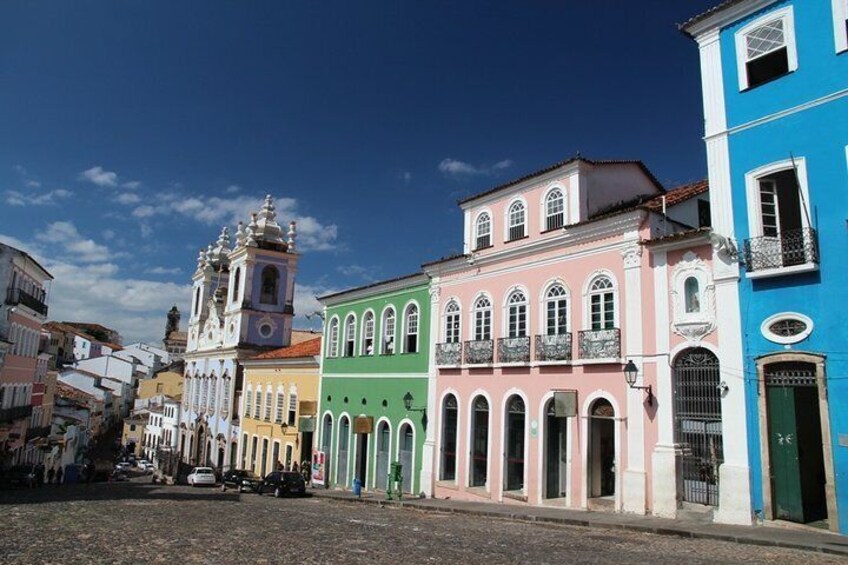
(59, 474)
(51, 472)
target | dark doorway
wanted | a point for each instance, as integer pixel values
(556, 456)
(344, 439)
(306, 440)
(220, 458)
(480, 442)
(796, 458)
(602, 450)
(361, 466)
(449, 426)
(515, 444)
(264, 463)
(381, 473)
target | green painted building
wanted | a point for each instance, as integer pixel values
(374, 383)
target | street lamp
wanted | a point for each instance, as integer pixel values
(631, 372)
(407, 403)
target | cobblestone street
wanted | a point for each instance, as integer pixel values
(138, 523)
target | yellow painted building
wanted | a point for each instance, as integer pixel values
(167, 382)
(278, 408)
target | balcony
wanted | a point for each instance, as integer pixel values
(8, 415)
(599, 344)
(553, 347)
(514, 349)
(448, 354)
(479, 352)
(790, 251)
(17, 296)
(33, 433)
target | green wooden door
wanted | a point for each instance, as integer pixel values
(783, 449)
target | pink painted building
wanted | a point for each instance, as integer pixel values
(568, 275)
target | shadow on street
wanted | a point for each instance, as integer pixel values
(112, 491)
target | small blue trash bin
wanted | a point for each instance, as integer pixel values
(357, 487)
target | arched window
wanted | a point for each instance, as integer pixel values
(556, 310)
(278, 416)
(602, 304)
(554, 210)
(350, 336)
(257, 408)
(248, 403)
(333, 338)
(292, 420)
(388, 331)
(482, 319)
(368, 334)
(236, 282)
(411, 328)
(269, 402)
(197, 301)
(517, 315)
(517, 220)
(343, 446)
(213, 388)
(449, 427)
(692, 292)
(452, 317)
(483, 231)
(270, 280)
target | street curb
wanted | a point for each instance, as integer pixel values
(639, 528)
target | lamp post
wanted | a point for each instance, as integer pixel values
(631, 372)
(407, 403)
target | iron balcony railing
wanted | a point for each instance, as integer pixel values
(599, 344)
(17, 296)
(514, 349)
(553, 347)
(15, 413)
(33, 433)
(479, 352)
(448, 354)
(787, 249)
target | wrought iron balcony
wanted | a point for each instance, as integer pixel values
(553, 347)
(448, 354)
(479, 352)
(17, 296)
(599, 344)
(514, 349)
(15, 413)
(787, 249)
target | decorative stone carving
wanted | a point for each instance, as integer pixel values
(694, 315)
(632, 256)
(435, 294)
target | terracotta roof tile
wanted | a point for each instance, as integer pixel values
(678, 194)
(304, 349)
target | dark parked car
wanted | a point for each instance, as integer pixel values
(282, 483)
(241, 480)
(21, 475)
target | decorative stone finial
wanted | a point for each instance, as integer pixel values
(201, 259)
(240, 235)
(267, 229)
(250, 240)
(291, 236)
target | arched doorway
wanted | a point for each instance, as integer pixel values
(326, 444)
(381, 471)
(795, 406)
(697, 423)
(556, 454)
(515, 420)
(601, 449)
(449, 428)
(344, 442)
(405, 455)
(197, 452)
(479, 442)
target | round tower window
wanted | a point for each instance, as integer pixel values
(787, 328)
(265, 330)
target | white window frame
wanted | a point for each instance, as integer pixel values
(446, 319)
(507, 310)
(406, 324)
(474, 310)
(383, 327)
(333, 337)
(840, 34)
(543, 306)
(786, 14)
(480, 215)
(544, 206)
(349, 338)
(507, 219)
(752, 188)
(368, 330)
(587, 299)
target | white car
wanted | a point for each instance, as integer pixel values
(201, 476)
(142, 463)
(122, 466)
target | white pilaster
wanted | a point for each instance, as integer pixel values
(634, 497)
(428, 455)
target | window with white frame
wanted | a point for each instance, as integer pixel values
(213, 386)
(280, 404)
(292, 408)
(765, 48)
(368, 334)
(411, 328)
(483, 231)
(556, 310)
(225, 392)
(602, 304)
(350, 336)
(554, 210)
(482, 319)
(257, 409)
(517, 314)
(268, 404)
(840, 24)
(452, 317)
(388, 331)
(205, 395)
(248, 403)
(333, 338)
(517, 218)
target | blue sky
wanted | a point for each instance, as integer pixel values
(132, 131)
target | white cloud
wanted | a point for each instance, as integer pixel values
(132, 185)
(457, 168)
(128, 198)
(164, 271)
(305, 302)
(233, 188)
(146, 231)
(15, 198)
(66, 235)
(361, 271)
(99, 176)
(108, 234)
(144, 211)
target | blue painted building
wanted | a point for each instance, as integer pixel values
(775, 86)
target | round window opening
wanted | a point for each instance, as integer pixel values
(787, 328)
(265, 330)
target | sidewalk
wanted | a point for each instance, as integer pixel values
(823, 542)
